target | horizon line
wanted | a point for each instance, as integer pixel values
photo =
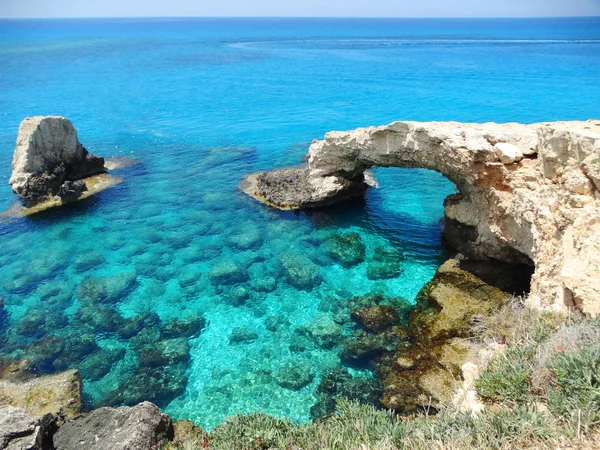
(304, 17)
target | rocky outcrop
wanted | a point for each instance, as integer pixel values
(526, 193)
(49, 160)
(141, 427)
(423, 371)
(58, 395)
(19, 430)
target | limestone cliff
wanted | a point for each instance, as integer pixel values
(526, 193)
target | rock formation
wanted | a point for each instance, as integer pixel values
(526, 193)
(49, 160)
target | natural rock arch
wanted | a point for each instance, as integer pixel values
(527, 193)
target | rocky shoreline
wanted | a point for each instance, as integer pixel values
(527, 194)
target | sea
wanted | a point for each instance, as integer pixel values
(176, 287)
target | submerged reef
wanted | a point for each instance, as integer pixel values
(527, 194)
(51, 167)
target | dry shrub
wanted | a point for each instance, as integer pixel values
(508, 325)
(568, 339)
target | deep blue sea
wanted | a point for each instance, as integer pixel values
(199, 103)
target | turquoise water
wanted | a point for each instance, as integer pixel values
(199, 103)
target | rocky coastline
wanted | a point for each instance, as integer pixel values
(527, 194)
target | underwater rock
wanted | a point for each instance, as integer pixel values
(542, 210)
(131, 326)
(98, 365)
(388, 255)
(159, 385)
(237, 295)
(242, 335)
(142, 427)
(377, 270)
(323, 331)
(189, 327)
(227, 272)
(99, 319)
(264, 284)
(249, 239)
(163, 352)
(37, 322)
(106, 289)
(337, 383)
(89, 261)
(376, 318)
(300, 271)
(188, 276)
(346, 249)
(49, 160)
(276, 322)
(58, 395)
(361, 349)
(294, 375)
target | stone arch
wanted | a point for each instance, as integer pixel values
(526, 193)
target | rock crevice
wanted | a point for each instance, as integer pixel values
(526, 193)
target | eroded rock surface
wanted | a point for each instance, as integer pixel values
(50, 161)
(526, 193)
(140, 427)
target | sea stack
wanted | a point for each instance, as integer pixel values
(49, 162)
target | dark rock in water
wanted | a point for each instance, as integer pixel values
(142, 427)
(294, 375)
(264, 284)
(300, 271)
(19, 430)
(89, 261)
(323, 331)
(387, 255)
(163, 352)
(188, 327)
(237, 295)
(382, 270)
(133, 325)
(159, 385)
(71, 190)
(106, 289)
(338, 383)
(363, 348)
(376, 318)
(249, 239)
(346, 249)
(49, 160)
(100, 319)
(38, 322)
(242, 335)
(276, 322)
(227, 272)
(97, 365)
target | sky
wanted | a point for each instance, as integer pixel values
(298, 8)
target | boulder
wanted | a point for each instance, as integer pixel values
(242, 335)
(49, 160)
(19, 430)
(300, 271)
(227, 272)
(376, 318)
(294, 375)
(346, 249)
(141, 427)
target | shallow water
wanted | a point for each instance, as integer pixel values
(199, 103)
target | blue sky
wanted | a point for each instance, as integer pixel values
(327, 8)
